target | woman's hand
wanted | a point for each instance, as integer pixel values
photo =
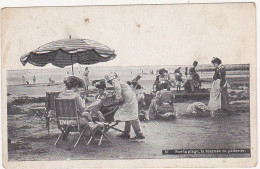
(119, 101)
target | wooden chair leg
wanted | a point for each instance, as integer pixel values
(90, 140)
(58, 139)
(103, 134)
(101, 138)
(106, 137)
(80, 135)
(92, 136)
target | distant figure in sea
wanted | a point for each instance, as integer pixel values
(34, 79)
(51, 81)
(178, 78)
(219, 100)
(23, 79)
(86, 78)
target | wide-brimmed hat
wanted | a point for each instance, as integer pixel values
(110, 76)
(75, 81)
(100, 85)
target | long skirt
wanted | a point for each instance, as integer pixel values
(87, 81)
(218, 100)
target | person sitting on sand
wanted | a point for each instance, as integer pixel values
(163, 99)
(162, 77)
(192, 83)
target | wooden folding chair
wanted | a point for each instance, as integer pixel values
(68, 120)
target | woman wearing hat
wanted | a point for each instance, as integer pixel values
(95, 106)
(72, 84)
(128, 106)
(163, 98)
(218, 94)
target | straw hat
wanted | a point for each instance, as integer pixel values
(77, 81)
(110, 76)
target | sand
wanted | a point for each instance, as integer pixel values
(30, 141)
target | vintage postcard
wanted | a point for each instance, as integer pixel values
(129, 86)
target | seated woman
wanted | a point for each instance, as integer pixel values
(162, 101)
(72, 85)
(95, 106)
(192, 83)
(163, 76)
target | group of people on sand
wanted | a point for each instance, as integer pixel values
(218, 94)
(191, 84)
(126, 97)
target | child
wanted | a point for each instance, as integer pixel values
(178, 78)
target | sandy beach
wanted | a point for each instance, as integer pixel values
(30, 141)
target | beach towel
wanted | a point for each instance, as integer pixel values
(196, 108)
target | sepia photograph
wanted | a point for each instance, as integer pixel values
(169, 82)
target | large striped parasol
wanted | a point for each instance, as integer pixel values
(67, 52)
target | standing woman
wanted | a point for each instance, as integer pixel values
(86, 78)
(128, 106)
(218, 94)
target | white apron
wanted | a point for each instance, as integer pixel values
(129, 109)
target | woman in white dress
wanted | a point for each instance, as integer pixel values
(86, 78)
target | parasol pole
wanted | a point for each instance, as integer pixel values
(71, 60)
(72, 65)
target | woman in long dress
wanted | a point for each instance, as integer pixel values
(86, 78)
(128, 106)
(218, 94)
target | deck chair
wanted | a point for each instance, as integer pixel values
(108, 110)
(50, 107)
(68, 120)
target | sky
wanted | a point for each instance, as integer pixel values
(139, 34)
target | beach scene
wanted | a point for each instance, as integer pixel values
(31, 141)
(129, 82)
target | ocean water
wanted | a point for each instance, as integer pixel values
(16, 86)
